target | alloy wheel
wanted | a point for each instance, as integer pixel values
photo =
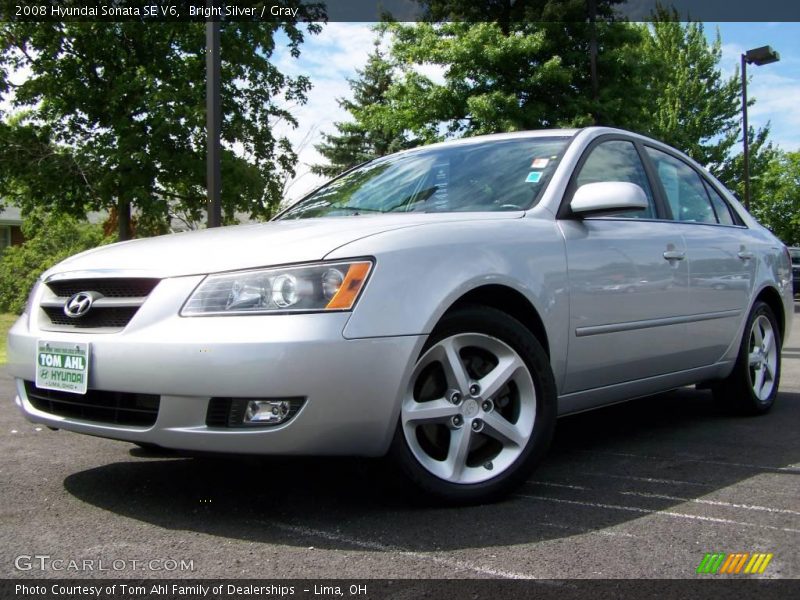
(762, 357)
(469, 409)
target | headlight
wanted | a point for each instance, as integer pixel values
(327, 286)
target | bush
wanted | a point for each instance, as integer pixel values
(49, 238)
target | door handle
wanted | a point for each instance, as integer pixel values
(674, 255)
(744, 255)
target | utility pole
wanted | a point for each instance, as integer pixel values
(746, 136)
(593, 60)
(213, 115)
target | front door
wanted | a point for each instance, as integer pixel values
(628, 281)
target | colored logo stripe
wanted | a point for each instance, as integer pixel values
(758, 564)
(733, 564)
(711, 562)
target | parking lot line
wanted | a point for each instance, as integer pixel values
(646, 479)
(649, 511)
(559, 485)
(677, 458)
(714, 503)
(451, 563)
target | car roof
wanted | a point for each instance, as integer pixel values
(591, 132)
(493, 137)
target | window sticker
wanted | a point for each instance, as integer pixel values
(533, 177)
(441, 177)
(539, 163)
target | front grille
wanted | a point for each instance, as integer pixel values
(114, 408)
(116, 301)
(116, 317)
(110, 288)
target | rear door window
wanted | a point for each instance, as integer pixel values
(721, 207)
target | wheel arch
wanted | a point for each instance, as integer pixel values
(772, 298)
(509, 301)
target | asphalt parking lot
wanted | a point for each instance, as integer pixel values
(640, 490)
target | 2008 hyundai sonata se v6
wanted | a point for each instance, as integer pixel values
(444, 305)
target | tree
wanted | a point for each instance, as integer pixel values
(694, 108)
(776, 195)
(125, 102)
(528, 65)
(372, 132)
(31, 166)
(512, 66)
(762, 154)
(689, 104)
(49, 239)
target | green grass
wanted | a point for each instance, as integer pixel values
(6, 321)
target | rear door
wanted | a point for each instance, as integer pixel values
(720, 257)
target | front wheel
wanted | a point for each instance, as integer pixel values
(479, 408)
(752, 386)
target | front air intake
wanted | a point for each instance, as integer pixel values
(113, 408)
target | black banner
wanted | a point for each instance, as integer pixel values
(399, 10)
(405, 589)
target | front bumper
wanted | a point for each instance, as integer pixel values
(352, 387)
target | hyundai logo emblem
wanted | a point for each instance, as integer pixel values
(78, 305)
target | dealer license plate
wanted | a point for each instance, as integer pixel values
(62, 366)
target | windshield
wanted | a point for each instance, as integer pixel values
(498, 175)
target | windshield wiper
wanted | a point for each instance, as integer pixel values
(357, 210)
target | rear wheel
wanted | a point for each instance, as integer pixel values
(752, 386)
(479, 408)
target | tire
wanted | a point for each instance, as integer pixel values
(752, 386)
(461, 444)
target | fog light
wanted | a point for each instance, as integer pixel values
(267, 411)
(252, 412)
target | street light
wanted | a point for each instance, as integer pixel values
(756, 56)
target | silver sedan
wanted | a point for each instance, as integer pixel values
(444, 305)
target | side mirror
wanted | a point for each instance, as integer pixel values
(608, 196)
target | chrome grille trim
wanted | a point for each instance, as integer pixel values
(59, 302)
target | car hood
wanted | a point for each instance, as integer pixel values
(248, 246)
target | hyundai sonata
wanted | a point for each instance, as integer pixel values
(444, 305)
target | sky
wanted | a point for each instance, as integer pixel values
(333, 56)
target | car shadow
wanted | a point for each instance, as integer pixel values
(605, 468)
